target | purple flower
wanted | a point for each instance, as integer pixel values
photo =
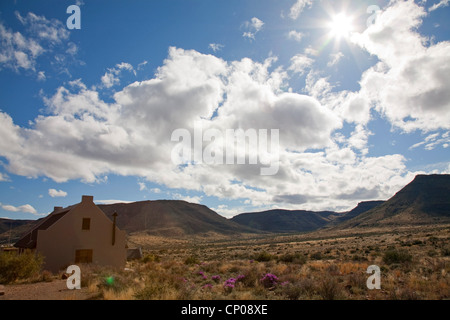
(240, 277)
(207, 286)
(269, 280)
(216, 278)
(230, 283)
(285, 283)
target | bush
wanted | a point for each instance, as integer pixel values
(263, 257)
(297, 258)
(191, 260)
(445, 251)
(19, 266)
(316, 256)
(396, 256)
(329, 289)
(302, 288)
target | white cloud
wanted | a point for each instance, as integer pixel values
(41, 76)
(194, 199)
(111, 77)
(335, 58)
(142, 64)
(256, 24)
(111, 201)
(298, 8)
(410, 84)
(56, 193)
(142, 186)
(216, 46)
(433, 140)
(50, 30)
(295, 35)
(21, 50)
(4, 177)
(24, 208)
(300, 63)
(253, 27)
(441, 4)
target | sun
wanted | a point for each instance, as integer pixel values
(341, 26)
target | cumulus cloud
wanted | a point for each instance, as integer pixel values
(300, 63)
(83, 137)
(410, 84)
(194, 199)
(24, 208)
(56, 193)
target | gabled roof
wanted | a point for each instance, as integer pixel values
(29, 240)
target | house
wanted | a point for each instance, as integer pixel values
(81, 233)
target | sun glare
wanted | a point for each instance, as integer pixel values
(341, 26)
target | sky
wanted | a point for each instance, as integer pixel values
(337, 102)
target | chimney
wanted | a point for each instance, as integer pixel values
(57, 208)
(87, 199)
(114, 228)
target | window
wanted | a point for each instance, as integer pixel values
(86, 224)
(83, 256)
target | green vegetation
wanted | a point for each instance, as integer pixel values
(15, 266)
(396, 256)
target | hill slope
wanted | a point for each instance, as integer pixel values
(362, 207)
(171, 218)
(425, 200)
(12, 230)
(285, 221)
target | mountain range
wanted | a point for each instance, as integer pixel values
(425, 200)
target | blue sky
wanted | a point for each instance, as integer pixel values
(361, 108)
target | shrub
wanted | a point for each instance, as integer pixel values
(329, 289)
(396, 256)
(295, 291)
(114, 282)
(191, 260)
(263, 257)
(358, 258)
(19, 266)
(251, 278)
(297, 258)
(316, 256)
